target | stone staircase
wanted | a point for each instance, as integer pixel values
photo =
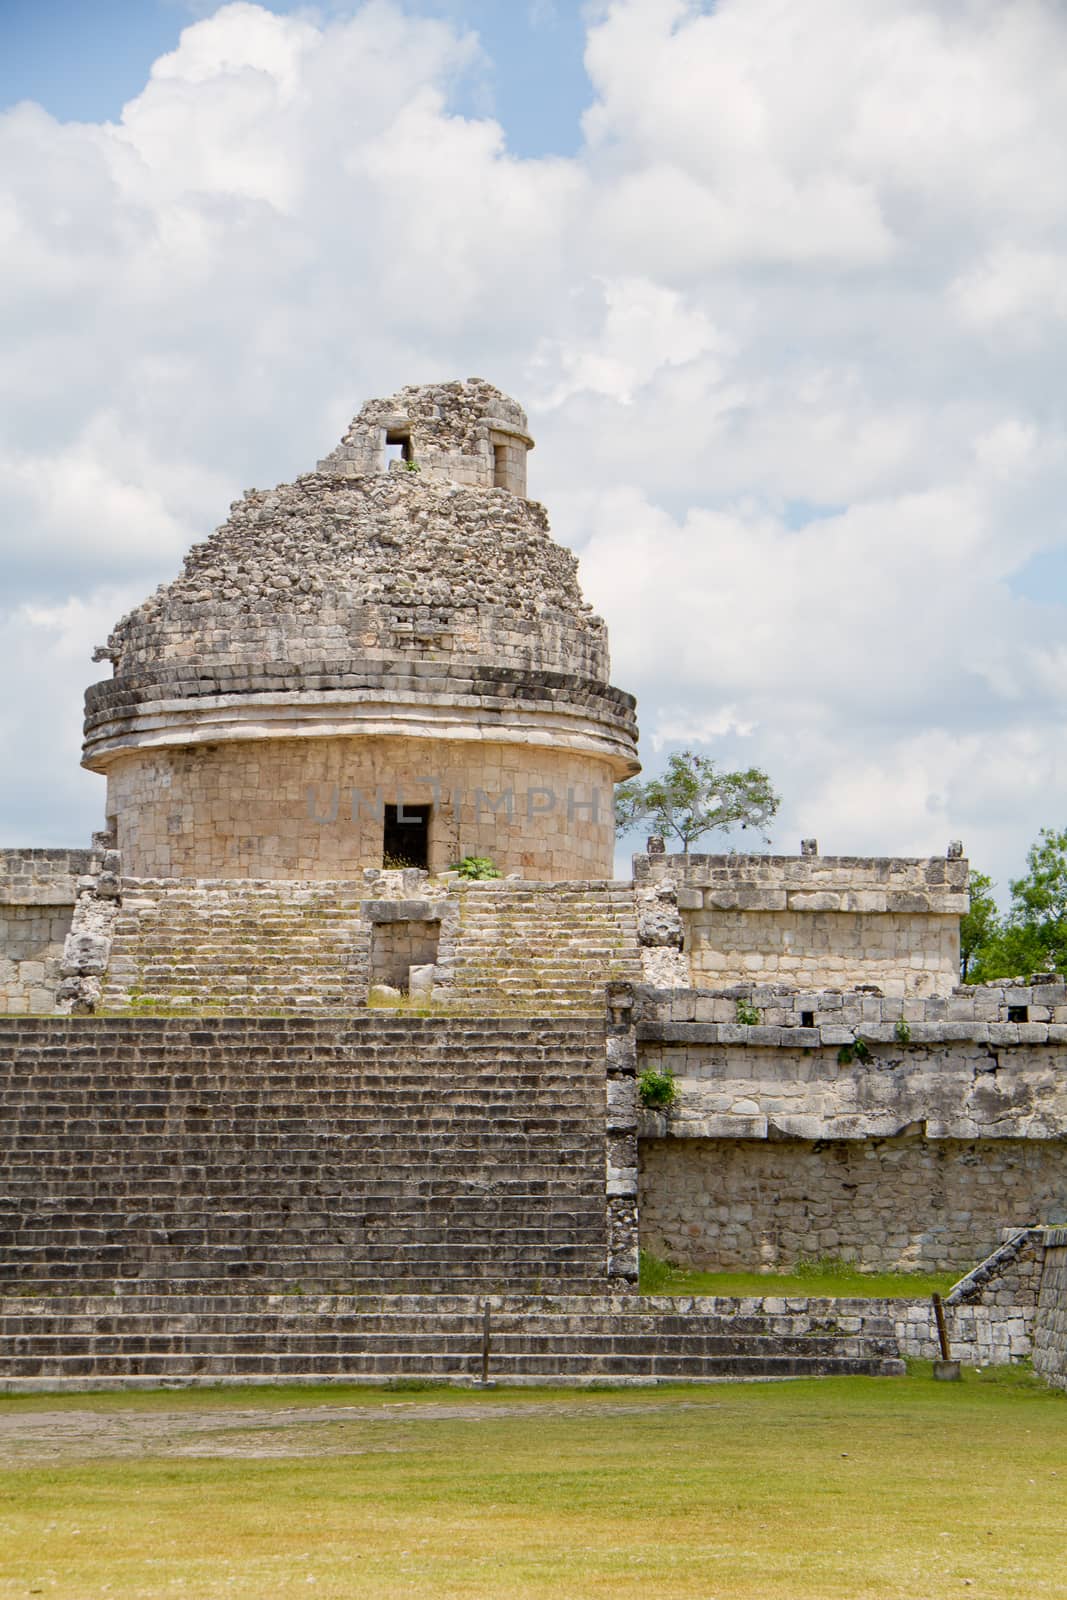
(152, 1156)
(82, 1342)
(538, 947)
(237, 946)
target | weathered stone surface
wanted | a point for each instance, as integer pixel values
(903, 1203)
(380, 1152)
(816, 921)
(1050, 1322)
(408, 637)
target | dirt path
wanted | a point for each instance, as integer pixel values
(29, 1438)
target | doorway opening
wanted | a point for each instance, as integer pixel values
(406, 841)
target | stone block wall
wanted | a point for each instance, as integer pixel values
(894, 1132)
(311, 808)
(1050, 1322)
(37, 897)
(396, 947)
(1009, 1012)
(901, 1204)
(818, 921)
(979, 1335)
(911, 955)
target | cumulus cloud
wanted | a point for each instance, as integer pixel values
(791, 328)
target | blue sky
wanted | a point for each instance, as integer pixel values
(83, 59)
(780, 286)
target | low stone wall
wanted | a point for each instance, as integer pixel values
(1050, 1323)
(902, 1204)
(817, 921)
(38, 889)
(979, 1335)
(1011, 1011)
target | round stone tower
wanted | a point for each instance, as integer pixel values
(387, 662)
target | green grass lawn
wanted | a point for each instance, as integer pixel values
(827, 1277)
(813, 1490)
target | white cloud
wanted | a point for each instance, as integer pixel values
(672, 728)
(791, 328)
(46, 798)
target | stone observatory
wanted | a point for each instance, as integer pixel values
(388, 662)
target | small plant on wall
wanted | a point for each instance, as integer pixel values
(477, 867)
(657, 1091)
(747, 1014)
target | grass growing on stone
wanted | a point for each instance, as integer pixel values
(823, 1277)
(870, 1489)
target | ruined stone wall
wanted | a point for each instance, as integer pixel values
(905, 1203)
(466, 433)
(37, 896)
(894, 1132)
(1050, 1323)
(952, 1080)
(818, 921)
(284, 808)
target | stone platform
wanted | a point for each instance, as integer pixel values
(86, 1342)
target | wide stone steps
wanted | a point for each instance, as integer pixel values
(525, 947)
(287, 947)
(355, 1154)
(84, 1342)
(237, 944)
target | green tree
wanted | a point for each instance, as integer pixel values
(1013, 951)
(1041, 897)
(980, 926)
(693, 797)
(1032, 937)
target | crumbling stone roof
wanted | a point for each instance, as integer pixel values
(336, 565)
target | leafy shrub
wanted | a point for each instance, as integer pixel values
(477, 867)
(657, 1090)
(747, 1014)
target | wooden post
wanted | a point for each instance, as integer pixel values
(942, 1331)
(486, 1330)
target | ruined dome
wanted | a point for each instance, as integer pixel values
(368, 556)
(406, 586)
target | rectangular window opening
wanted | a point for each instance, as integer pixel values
(406, 840)
(398, 445)
(500, 466)
(807, 1019)
(1018, 1013)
